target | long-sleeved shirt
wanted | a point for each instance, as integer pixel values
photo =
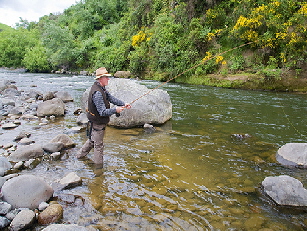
(101, 107)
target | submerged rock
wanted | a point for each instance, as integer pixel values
(58, 227)
(149, 128)
(239, 136)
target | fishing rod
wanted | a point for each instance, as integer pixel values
(191, 68)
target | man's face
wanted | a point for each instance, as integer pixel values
(104, 80)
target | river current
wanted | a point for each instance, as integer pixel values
(193, 173)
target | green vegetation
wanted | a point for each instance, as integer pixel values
(161, 39)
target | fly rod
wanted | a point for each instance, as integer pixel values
(202, 62)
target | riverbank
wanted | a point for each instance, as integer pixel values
(250, 81)
(274, 80)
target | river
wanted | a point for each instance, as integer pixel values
(192, 173)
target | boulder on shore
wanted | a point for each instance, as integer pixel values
(293, 154)
(285, 190)
(122, 74)
(152, 106)
(26, 191)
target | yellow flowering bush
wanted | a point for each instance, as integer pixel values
(219, 59)
(283, 57)
(279, 25)
(140, 37)
(303, 9)
(214, 34)
(207, 57)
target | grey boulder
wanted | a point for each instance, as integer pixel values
(54, 107)
(293, 154)
(27, 152)
(151, 106)
(26, 191)
(285, 190)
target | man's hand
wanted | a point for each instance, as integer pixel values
(127, 106)
(120, 109)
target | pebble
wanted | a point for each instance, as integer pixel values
(9, 126)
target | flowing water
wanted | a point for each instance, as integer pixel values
(192, 173)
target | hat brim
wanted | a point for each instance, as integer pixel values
(104, 75)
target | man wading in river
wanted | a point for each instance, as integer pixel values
(98, 114)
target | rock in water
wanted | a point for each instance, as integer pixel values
(152, 106)
(285, 190)
(293, 154)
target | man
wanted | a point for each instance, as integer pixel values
(98, 113)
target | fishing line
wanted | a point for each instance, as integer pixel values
(201, 63)
(287, 117)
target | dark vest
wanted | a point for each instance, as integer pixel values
(92, 113)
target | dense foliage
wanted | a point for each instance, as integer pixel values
(160, 39)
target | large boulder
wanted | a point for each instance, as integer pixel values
(285, 190)
(154, 106)
(26, 191)
(122, 74)
(27, 152)
(54, 107)
(293, 154)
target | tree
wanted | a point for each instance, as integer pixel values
(36, 59)
(60, 46)
(13, 45)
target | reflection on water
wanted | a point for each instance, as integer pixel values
(192, 173)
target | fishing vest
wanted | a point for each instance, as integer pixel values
(92, 113)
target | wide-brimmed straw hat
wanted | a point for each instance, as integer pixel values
(101, 72)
